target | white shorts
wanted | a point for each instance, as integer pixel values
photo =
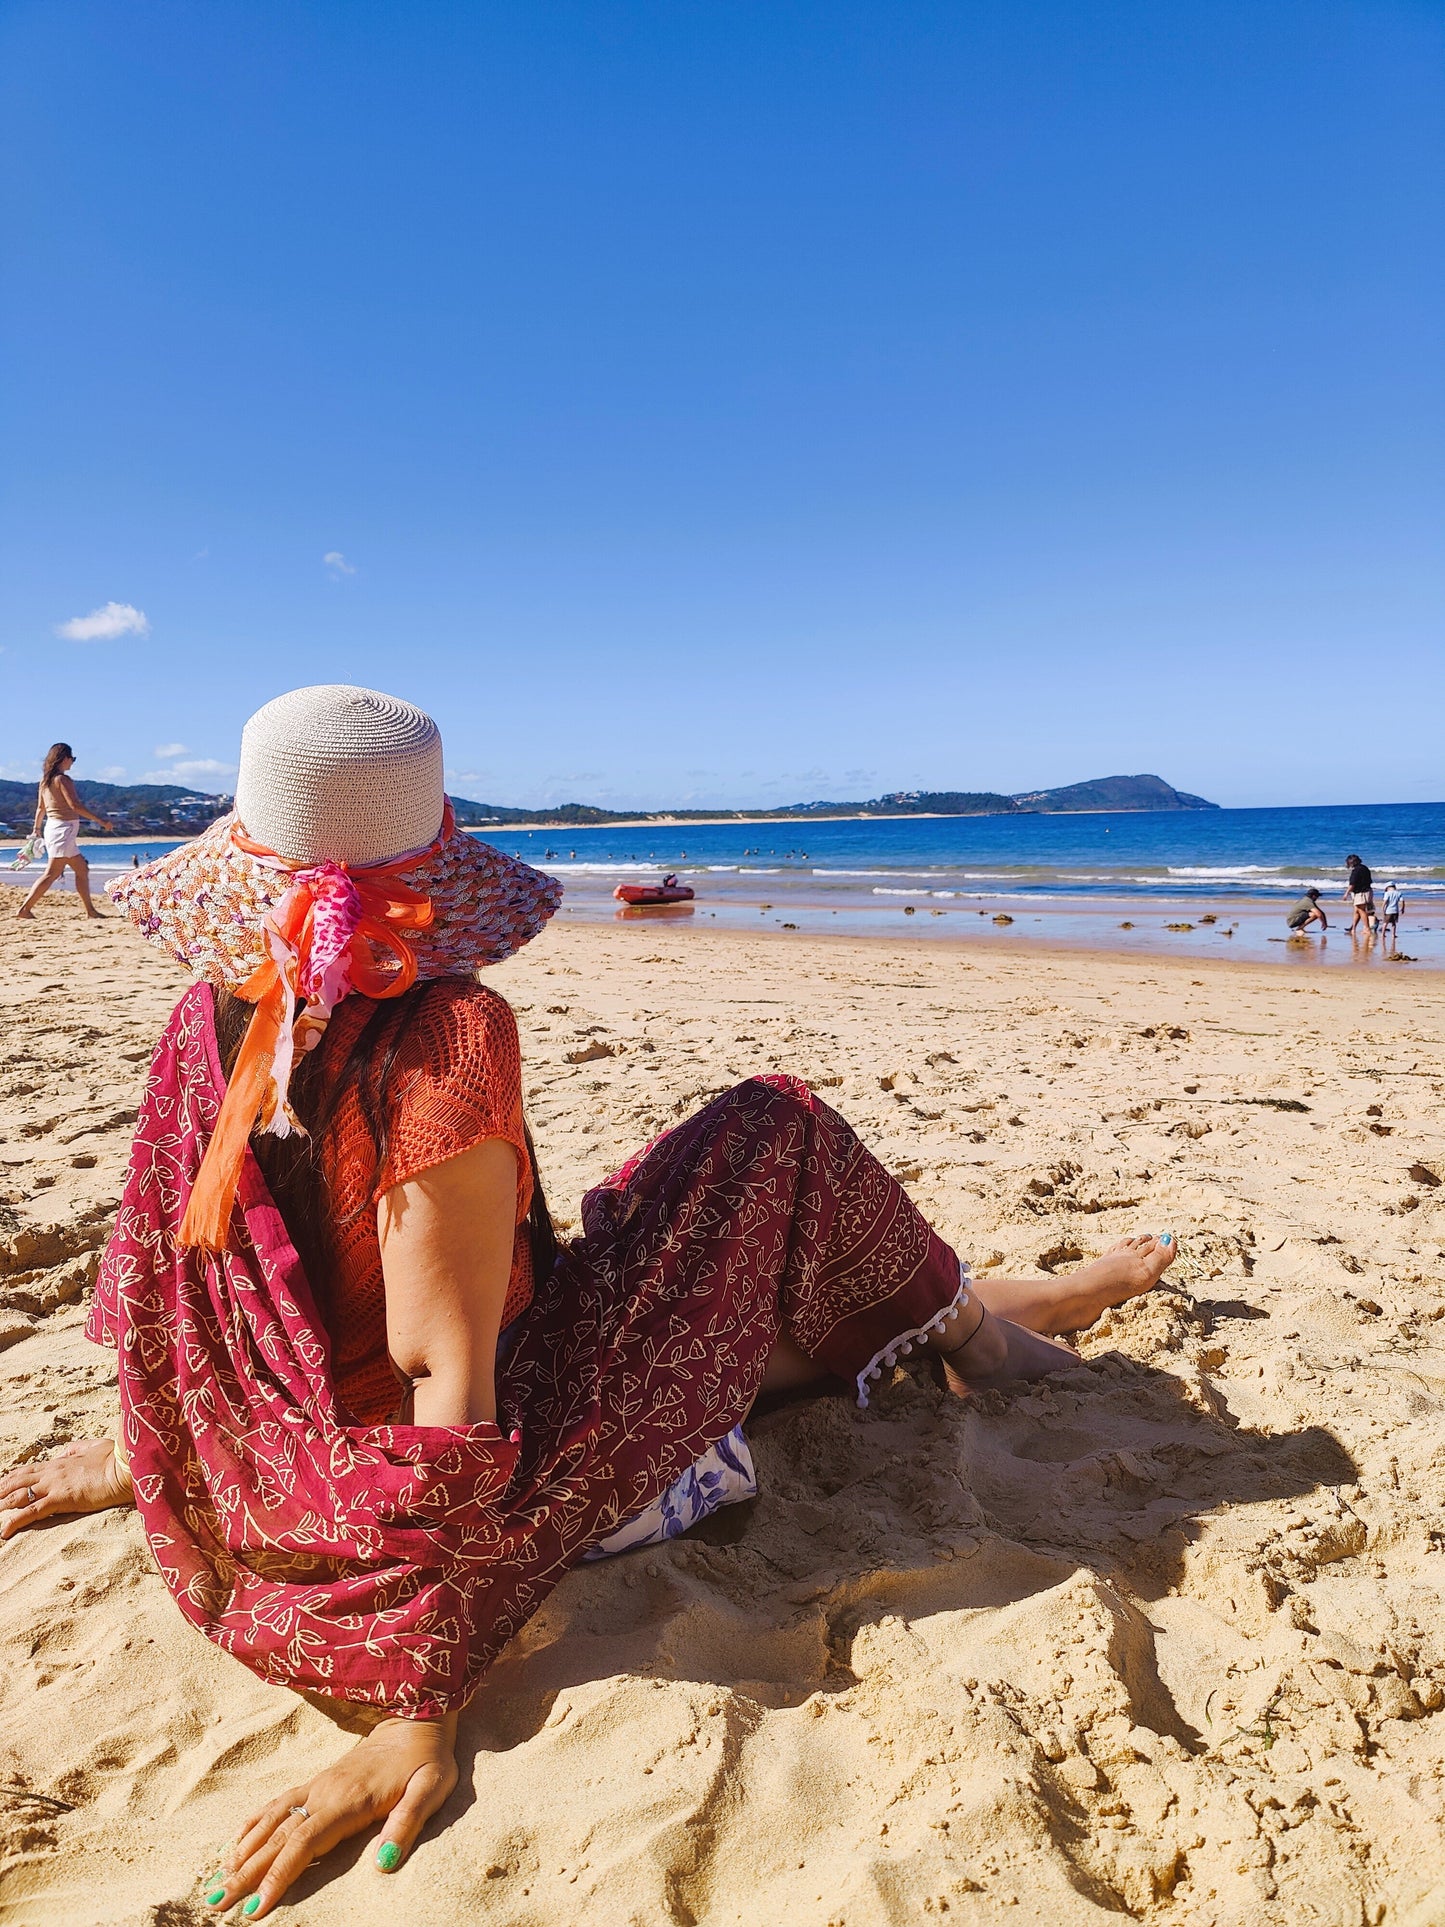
(62, 837)
(1361, 899)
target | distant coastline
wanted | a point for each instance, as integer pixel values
(1197, 882)
(160, 809)
(661, 821)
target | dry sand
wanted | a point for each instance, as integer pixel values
(1160, 1640)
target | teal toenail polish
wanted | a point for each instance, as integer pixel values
(215, 1897)
(388, 1856)
(1167, 1239)
(252, 1904)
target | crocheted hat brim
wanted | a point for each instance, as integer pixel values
(204, 903)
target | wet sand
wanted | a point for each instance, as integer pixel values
(1241, 929)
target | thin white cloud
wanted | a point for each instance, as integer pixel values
(112, 773)
(337, 563)
(195, 771)
(105, 624)
(167, 750)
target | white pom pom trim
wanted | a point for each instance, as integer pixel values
(905, 1341)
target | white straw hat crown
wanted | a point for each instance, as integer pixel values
(337, 774)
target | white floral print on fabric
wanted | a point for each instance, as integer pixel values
(724, 1475)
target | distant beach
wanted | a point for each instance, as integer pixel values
(1199, 883)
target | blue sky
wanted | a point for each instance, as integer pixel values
(729, 402)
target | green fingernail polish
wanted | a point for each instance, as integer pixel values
(388, 1856)
(252, 1904)
(215, 1897)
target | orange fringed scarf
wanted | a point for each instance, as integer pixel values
(324, 935)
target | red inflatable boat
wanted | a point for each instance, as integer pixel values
(668, 891)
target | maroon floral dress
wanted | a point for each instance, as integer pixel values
(391, 1563)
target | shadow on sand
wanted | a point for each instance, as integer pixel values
(926, 1506)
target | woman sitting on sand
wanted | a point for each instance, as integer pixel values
(370, 1412)
(58, 810)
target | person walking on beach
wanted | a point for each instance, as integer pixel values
(1307, 911)
(1393, 906)
(1360, 891)
(372, 1408)
(58, 810)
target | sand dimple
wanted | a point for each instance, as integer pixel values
(1158, 1639)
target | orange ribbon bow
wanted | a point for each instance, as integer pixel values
(324, 935)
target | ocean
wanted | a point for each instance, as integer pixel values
(1198, 882)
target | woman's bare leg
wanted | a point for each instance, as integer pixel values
(997, 1352)
(82, 884)
(1070, 1302)
(54, 871)
(790, 1367)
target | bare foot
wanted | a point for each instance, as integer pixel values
(400, 1774)
(1074, 1299)
(1132, 1266)
(998, 1353)
(25, 916)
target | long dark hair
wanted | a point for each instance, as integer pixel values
(57, 754)
(291, 1165)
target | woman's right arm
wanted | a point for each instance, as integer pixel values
(446, 1260)
(71, 796)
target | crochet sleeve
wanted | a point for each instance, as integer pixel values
(457, 1082)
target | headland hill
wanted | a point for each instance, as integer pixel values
(166, 809)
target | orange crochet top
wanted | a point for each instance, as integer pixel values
(456, 1081)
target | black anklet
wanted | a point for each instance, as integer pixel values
(952, 1351)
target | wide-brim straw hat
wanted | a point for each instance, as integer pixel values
(339, 870)
(343, 776)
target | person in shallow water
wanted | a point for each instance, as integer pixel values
(1307, 911)
(371, 1411)
(1360, 892)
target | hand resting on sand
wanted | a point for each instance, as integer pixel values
(82, 1477)
(401, 1774)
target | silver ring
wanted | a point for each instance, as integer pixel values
(301, 1810)
(30, 1495)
